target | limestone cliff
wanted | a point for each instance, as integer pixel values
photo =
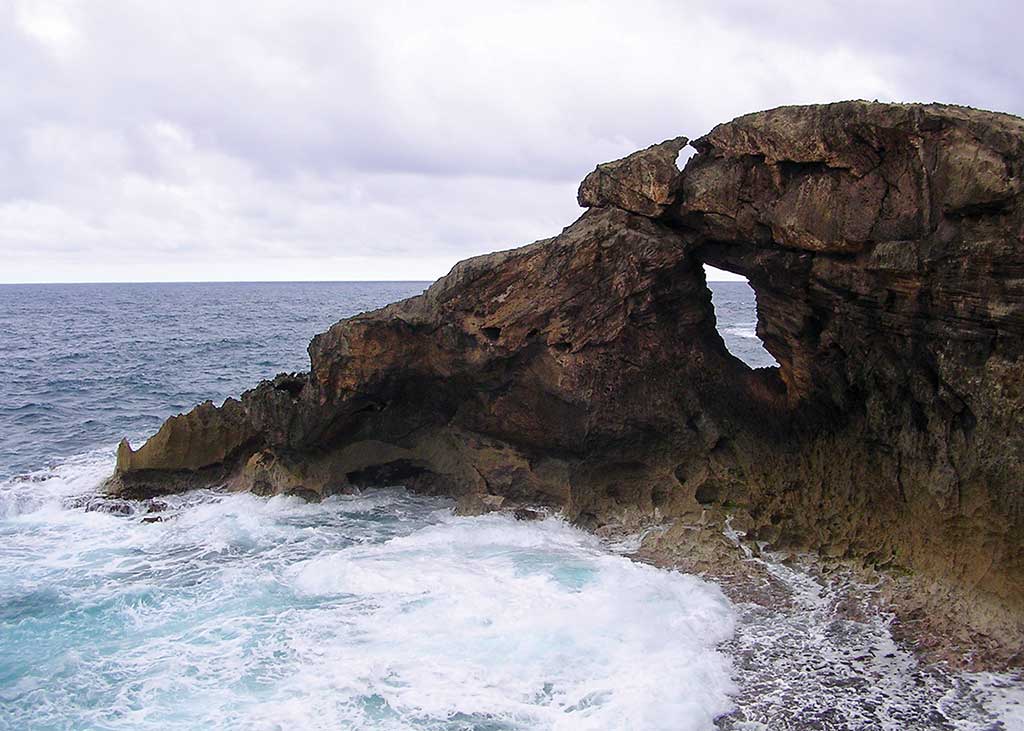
(584, 372)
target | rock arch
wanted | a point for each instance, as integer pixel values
(886, 243)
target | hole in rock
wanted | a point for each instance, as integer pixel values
(291, 384)
(491, 333)
(707, 493)
(736, 317)
(397, 472)
(660, 495)
(684, 156)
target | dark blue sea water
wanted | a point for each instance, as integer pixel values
(82, 365)
(374, 612)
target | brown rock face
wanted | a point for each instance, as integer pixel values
(639, 183)
(204, 437)
(584, 372)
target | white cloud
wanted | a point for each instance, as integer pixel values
(48, 25)
(316, 139)
(720, 275)
(199, 213)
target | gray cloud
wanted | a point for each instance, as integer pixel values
(193, 140)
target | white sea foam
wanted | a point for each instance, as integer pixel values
(748, 331)
(47, 488)
(527, 623)
(810, 664)
(385, 611)
(381, 611)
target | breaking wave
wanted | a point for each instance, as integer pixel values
(379, 611)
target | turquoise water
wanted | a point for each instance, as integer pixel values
(381, 611)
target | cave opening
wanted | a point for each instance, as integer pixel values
(735, 304)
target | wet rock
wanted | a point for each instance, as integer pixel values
(101, 504)
(476, 504)
(310, 496)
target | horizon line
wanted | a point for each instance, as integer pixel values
(228, 281)
(263, 281)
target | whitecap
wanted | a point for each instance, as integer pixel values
(361, 612)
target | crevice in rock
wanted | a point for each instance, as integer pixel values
(290, 383)
(398, 472)
(371, 408)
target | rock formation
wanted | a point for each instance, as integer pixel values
(584, 372)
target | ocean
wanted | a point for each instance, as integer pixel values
(378, 611)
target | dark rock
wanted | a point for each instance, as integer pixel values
(104, 505)
(310, 496)
(584, 372)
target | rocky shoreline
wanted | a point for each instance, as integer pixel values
(584, 373)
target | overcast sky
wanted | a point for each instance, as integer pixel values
(229, 140)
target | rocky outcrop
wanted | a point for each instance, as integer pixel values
(584, 372)
(204, 437)
(641, 183)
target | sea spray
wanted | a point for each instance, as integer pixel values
(378, 611)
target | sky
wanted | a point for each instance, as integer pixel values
(190, 140)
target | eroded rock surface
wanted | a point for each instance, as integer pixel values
(639, 183)
(584, 372)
